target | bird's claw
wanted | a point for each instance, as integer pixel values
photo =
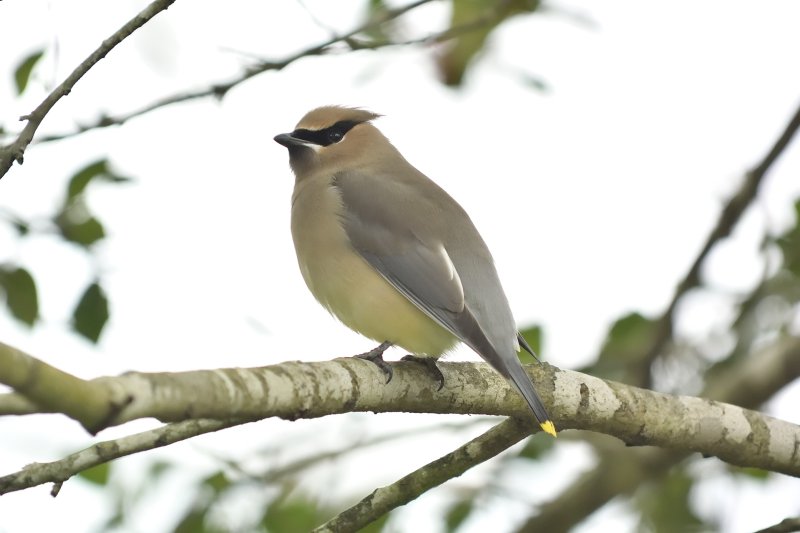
(375, 356)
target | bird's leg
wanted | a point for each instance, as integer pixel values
(375, 356)
(430, 364)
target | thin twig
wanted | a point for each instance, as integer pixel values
(277, 473)
(103, 452)
(16, 150)
(349, 39)
(382, 500)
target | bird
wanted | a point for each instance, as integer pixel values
(391, 254)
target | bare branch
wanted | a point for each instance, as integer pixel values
(621, 470)
(349, 39)
(102, 452)
(307, 390)
(16, 150)
(274, 474)
(785, 526)
(433, 474)
(48, 390)
(728, 219)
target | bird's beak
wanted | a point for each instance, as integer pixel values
(288, 141)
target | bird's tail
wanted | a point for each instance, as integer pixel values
(520, 379)
(525, 386)
(468, 330)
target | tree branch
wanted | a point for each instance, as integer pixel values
(59, 471)
(306, 390)
(620, 471)
(785, 526)
(384, 499)
(220, 89)
(45, 389)
(16, 150)
(729, 217)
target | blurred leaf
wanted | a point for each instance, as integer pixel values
(296, 514)
(534, 337)
(627, 341)
(217, 482)
(473, 21)
(534, 449)
(158, 468)
(74, 221)
(79, 180)
(459, 511)
(534, 82)
(77, 225)
(193, 522)
(22, 74)
(789, 243)
(22, 227)
(376, 10)
(96, 170)
(21, 295)
(751, 473)
(91, 314)
(665, 506)
(97, 474)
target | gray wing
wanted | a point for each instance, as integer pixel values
(400, 232)
(383, 233)
(445, 269)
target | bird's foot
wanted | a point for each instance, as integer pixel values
(375, 356)
(430, 364)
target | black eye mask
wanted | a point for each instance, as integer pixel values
(327, 136)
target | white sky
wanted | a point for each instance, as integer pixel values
(594, 197)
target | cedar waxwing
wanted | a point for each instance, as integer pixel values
(391, 254)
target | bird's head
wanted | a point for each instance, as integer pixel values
(331, 138)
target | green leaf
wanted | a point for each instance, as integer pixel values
(75, 228)
(459, 511)
(21, 295)
(534, 336)
(752, 473)
(77, 225)
(193, 522)
(472, 21)
(158, 468)
(627, 341)
(534, 449)
(74, 221)
(97, 474)
(79, 180)
(789, 244)
(290, 515)
(96, 170)
(91, 314)
(665, 507)
(22, 74)
(375, 526)
(217, 482)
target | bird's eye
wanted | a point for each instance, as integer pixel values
(335, 136)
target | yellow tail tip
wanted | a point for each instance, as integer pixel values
(549, 428)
